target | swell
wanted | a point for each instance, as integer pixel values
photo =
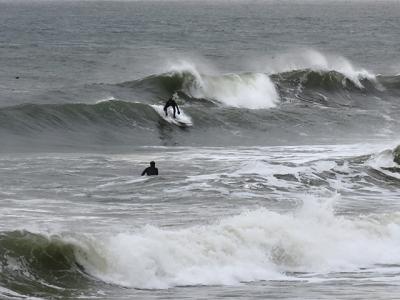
(232, 109)
(86, 123)
(36, 117)
(122, 124)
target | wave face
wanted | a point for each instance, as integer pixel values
(33, 264)
(325, 100)
(247, 90)
(255, 245)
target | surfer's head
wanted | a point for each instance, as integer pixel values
(152, 164)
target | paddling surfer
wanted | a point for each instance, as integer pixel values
(152, 170)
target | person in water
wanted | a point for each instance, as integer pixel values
(152, 170)
(171, 102)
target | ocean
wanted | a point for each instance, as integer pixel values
(278, 181)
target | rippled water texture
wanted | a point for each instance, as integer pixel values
(278, 179)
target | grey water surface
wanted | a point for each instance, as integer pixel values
(278, 182)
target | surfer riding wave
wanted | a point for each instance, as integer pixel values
(171, 102)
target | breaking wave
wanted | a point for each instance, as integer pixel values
(320, 63)
(256, 90)
(325, 80)
(255, 245)
(247, 90)
(33, 264)
(293, 105)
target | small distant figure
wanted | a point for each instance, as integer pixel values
(152, 170)
(171, 102)
(16, 77)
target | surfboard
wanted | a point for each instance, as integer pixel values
(181, 119)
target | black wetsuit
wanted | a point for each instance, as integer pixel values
(171, 102)
(150, 171)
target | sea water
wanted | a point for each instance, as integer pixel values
(283, 187)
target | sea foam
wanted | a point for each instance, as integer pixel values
(245, 90)
(255, 245)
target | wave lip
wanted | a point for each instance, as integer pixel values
(35, 264)
(244, 90)
(319, 62)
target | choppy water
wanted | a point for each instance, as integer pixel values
(282, 184)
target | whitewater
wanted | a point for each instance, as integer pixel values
(278, 180)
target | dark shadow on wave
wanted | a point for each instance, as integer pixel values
(36, 265)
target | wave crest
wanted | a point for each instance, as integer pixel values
(245, 90)
(325, 80)
(319, 62)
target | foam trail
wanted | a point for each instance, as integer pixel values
(255, 245)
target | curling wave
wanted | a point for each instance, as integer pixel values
(247, 90)
(34, 263)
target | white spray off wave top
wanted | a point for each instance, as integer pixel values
(247, 90)
(255, 245)
(314, 60)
